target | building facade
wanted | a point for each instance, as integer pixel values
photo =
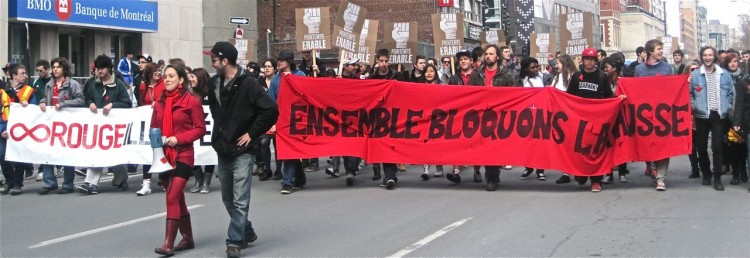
(702, 26)
(642, 21)
(216, 26)
(80, 30)
(547, 20)
(718, 34)
(689, 31)
(610, 11)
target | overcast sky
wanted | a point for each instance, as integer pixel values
(726, 10)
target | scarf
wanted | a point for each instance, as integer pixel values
(170, 152)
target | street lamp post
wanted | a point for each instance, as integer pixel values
(268, 43)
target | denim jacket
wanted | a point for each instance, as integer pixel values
(699, 92)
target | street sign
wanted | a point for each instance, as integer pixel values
(239, 20)
(238, 33)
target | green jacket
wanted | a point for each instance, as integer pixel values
(101, 95)
(39, 87)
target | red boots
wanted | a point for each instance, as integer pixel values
(186, 230)
(171, 232)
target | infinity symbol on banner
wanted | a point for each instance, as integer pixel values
(29, 132)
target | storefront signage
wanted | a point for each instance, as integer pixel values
(131, 15)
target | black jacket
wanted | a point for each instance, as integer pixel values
(505, 76)
(307, 68)
(742, 104)
(391, 75)
(241, 107)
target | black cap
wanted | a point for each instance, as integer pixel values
(223, 49)
(465, 52)
(286, 55)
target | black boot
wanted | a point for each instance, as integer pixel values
(707, 178)
(198, 174)
(717, 183)
(376, 173)
(277, 175)
(265, 175)
(206, 183)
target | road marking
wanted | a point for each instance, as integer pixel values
(430, 238)
(102, 229)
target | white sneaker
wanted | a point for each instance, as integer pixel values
(438, 173)
(426, 169)
(39, 177)
(145, 188)
(623, 179)
(508, 167)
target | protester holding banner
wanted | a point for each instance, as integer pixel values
(612, 66)
(18, 92)
(711, 95)
(466, 66)
(179, 115)
(293, 175)
(431, 77)
(532, 78)
(384, 72)
(491, 75)
(106, 92)
(60, 92)
(654, 66)
(242, 111)
(351, 164)
(589, 83)
(199, 85)
(310, 69)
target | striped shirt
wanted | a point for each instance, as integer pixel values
(713, 91)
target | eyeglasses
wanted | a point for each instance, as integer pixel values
(446, 62)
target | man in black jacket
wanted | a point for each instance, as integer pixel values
(242, 111)
(466, 65)
(384, 72)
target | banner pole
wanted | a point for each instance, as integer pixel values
(453, 67)
(314, 57)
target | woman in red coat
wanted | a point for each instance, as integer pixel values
(179, 115)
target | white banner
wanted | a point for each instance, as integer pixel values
(77, 137)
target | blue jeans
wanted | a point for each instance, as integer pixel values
(235, 174)
(288, 171)
(50, 181)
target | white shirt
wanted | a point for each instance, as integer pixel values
(560, 83)
(533, 82)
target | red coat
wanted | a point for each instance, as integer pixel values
(188, 121)
(145, 97)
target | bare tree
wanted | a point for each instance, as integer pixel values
(745, 29)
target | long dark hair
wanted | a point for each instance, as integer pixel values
(180, 74)
(203, 79)
(437, 79)
(569, 67)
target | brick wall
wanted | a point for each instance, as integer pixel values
(283, 33)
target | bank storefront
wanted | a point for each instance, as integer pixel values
(77, 29)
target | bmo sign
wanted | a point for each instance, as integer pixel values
(130, 15)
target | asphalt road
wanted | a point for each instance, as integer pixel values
(427, 219)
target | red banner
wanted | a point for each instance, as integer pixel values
(398, 122)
